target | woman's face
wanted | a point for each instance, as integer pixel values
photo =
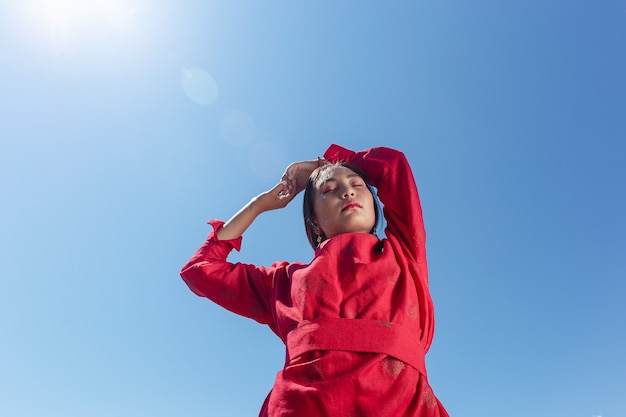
(343, 203)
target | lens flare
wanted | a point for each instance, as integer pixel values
(199, 86)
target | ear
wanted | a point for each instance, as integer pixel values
(314, 225)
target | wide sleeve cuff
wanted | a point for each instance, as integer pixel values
(231, 243)
(337, 153)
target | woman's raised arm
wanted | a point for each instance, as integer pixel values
(292, 182)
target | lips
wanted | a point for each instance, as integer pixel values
(350, 205)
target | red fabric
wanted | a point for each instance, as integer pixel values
(333, 368)
(356, 335)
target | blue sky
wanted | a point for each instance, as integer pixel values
(126, 124)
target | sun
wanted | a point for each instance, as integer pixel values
(62, 23)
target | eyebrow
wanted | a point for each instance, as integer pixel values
(322, 183)
(335, 179)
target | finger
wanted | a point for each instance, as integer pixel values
(282, 194)
(279, 189)
(286, 188)
(287, 176)
(290, 182)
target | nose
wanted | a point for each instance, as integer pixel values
(348, 192)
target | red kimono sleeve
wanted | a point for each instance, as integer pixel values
(241, 288)
(391, 174)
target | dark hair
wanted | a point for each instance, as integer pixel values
(309, 191)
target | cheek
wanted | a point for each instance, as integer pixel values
(370, 200)
(321, 207)
(372, 205)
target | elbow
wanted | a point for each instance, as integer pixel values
(189, 278)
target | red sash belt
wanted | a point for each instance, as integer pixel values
(357, 335)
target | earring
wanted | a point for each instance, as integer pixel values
(318, 233)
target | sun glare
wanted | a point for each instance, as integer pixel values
(61, 23)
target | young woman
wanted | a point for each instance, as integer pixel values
(357, 320)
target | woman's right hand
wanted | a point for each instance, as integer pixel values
(297, 174)
(293, 181)
(275, 198)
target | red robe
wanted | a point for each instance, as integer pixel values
(356, 321)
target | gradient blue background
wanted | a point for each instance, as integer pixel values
(126, 124)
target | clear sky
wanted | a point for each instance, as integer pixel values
(126, 124)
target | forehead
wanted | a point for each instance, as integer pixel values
(334, 173)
